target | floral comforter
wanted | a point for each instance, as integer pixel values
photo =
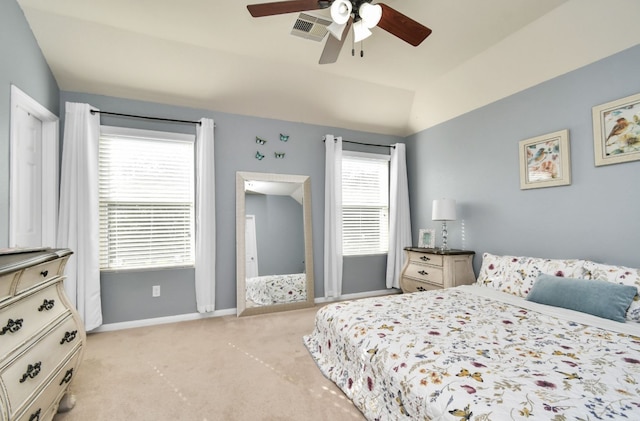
(472, 353)
(277, 289)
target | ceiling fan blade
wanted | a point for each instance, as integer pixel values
(402, 26)
(333, 46)
(282, 7)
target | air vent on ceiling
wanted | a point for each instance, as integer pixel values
(310, 27)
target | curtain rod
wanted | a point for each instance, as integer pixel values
(146, 117)
(365, 144)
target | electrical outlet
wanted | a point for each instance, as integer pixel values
(155, 291)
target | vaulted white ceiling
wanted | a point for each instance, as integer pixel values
(212, 54)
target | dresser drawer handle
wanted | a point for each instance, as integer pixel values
(32, 371)
(425, 258)
(36, 415)
(44, 273)
(47, 305)
(69, 337)
(423, 273)
(12, 326)
(67, 377)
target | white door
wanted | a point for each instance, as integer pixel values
(27, 219)
(251, 247)
(33, 197)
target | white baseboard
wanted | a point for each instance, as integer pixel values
(226, 312)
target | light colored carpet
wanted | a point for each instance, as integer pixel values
(223, 368)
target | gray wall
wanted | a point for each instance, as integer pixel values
(127, 295)
(474, 159)
(279, 233)
(23, 66)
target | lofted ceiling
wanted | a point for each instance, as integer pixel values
(212, 54)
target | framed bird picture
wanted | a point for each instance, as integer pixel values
(545, 161)
(616, 131)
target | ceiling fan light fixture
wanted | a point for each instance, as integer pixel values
(336, 30)
(370, 14)
(360, 31)
(341, 11)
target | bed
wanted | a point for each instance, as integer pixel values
(485, 351)
(277, 289)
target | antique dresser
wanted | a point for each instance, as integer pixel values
(42, 338)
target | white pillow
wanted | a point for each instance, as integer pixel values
(517, 274)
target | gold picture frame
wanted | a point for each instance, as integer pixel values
(545, 161)
(616, 131)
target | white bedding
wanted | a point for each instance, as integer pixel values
(473, 353)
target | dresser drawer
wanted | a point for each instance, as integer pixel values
(413, 285)
(39, 273)
(45, 405)
(26, 373)
(424, 273)
(426, 258)
(20, 320)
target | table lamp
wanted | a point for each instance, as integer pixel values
(444, 210)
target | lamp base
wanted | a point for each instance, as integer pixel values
(444, 237)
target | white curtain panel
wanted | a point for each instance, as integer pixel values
(78, 218)
(205, 218)
(399, 215)
(333, 217)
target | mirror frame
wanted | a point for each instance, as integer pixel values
(305, 180)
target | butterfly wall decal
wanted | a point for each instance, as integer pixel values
(279, 155)
(260, 141)
(284, 137)
(259, 156)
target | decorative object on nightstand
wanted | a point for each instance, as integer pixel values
(444, 210)
(427, 268)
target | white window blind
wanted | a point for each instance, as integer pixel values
(365, 203)
(146, 199)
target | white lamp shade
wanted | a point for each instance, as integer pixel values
(336, 29)
(370, 14)
(360, 31)
(443, 210)
(341, 11)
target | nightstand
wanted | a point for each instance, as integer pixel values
(428, 269)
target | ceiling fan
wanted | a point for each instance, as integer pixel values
(362, 15)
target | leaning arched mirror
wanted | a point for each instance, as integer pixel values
(274, 255)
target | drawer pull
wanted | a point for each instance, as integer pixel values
(69, 337)
(67, 377)
(425, 258)
(36, 415)
(423, 272)
(47, 305)
(44, 273)
(12, 326)
(32, 371)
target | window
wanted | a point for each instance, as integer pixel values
(365, 203)
(146, 189)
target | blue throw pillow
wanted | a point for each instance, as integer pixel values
(599, 298)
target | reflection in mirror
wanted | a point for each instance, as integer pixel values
(274, 256)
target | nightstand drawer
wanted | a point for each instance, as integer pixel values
(430, 274)
(413, 285)
(429, 259)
